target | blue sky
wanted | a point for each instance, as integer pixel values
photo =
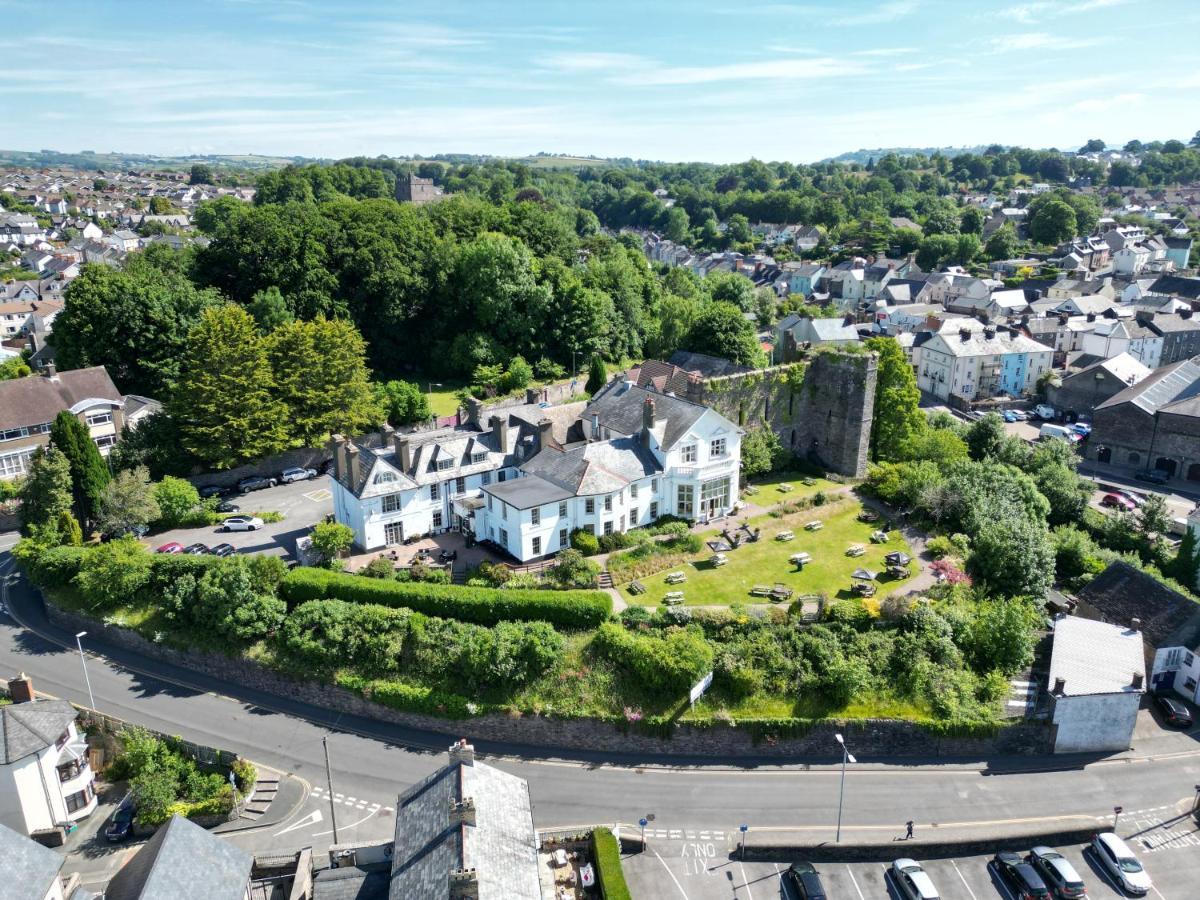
(716, 80)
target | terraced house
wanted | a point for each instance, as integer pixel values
(530, 475)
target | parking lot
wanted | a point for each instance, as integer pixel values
(706, 867)
(302, 504)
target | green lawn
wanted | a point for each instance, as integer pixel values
(766, 562)
(766, 492)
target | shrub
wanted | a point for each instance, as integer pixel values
(114, 573)
(617, 540)
(669, 663)
(940, 547)
(176, 498)
(245, 773)
(585, 542)
(485, 606)
(607, 854)
(408, 697)
(56, 567)
(379, 567)
(571, 570)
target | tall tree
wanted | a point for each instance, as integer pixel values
(89, 472)
(128, 501)
(224, 402)
(46, 492)
(722, 330)
(402, 402)
(898, 418)
(597, 374)
(321, 377)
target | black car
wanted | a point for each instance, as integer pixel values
(805, 881)
(121, 825)
(256, 483)
(195, 549)
(213, 490)
(223, 550)
(226, 507)
(1173, 712)
(1152, 476)
(1019, 875)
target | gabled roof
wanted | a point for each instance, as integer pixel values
(28, 868)
(1122, 593)
(1161, 387)
(619, 409)
(704, 365)
(33, 401)
(27, 728)
(1177, 285)
(597, 467)
(182, 861)
(1094, 657)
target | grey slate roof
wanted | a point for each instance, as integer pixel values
(620, 411)
(182, 861)
(1177, 285)
(350, 884)
(707, 366)
(28, 869)
(594, 468)
(1122, 593)
(1166, 386)
(33, 401)
(501, 846)
(27, 728)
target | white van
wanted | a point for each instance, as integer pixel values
(1048, 431)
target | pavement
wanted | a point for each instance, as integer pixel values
(371, 762)
(302, 503)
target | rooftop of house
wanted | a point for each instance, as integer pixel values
(967, 337)
(38, 399)
(619, 409)
(1092, 657)
(823, 329)
(1122, 593)
(1177, 285)
(29, 869)
(664, 377)
(27, 728)
(1171, 388)
(704, 365)
(588, 469)
(1123, 367)
(182, 861)
(500, 846)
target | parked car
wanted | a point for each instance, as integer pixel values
(327, 467)
(121, 825)
(242, 523)
(1152, 476)
(223, 550)
(1021, 415)
(213, 490)
(196, 549)
(1043, 411)
(1009, 416)
(1020, 876)
(1173, 712)
(1083, 428)
(805, 881)
(1135, 499)
(226, 507)
(1118, 501)
(913, 881)
(1118, 859)
(297, 473)
(256, 483)
(170, 547)
(1058, 873)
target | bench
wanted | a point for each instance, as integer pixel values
(760, 590)
(676, 578)
(673, 598)
(879, 537)
(781, 592)
(636, 587)
(856, 550)
(718, 559)
(807, 482)
(800, 559)
(785, 536)
(783, 487)
(815, 525)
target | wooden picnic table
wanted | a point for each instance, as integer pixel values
(673, 598)
(785, 536)
(856, 550)
(800, 559)
(676, 578)
(815, 525)
(879, 537)
(783, 487)
(718, 559)
(760, 590)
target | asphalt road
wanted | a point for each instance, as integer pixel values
(372, 762)
(302, 503)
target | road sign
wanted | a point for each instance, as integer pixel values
(643, 821)
(700, 687)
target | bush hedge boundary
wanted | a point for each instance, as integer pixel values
(607, 854)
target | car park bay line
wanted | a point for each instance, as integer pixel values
(963, 880)
(745, 882)
(672, 874)
(854, 881)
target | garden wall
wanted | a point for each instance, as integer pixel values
(870, 738)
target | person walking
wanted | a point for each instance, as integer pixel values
(908, 829)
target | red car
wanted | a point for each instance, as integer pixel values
(1119, 502)
(170, 547)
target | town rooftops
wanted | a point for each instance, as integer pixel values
(27, 728)
(1169, 386)
(1122, 593)
(1092, 657)
(1177, 286)
(704, 365)
(28, 868)
(182, 861)
(38, 399)
(466, 820)
(1123, 367)
(619, 409)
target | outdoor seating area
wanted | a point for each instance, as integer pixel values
(856, 550)
(785, 536)
(800, 559)
(717, 560)
(675, 578)
(760, 590)
(868, 515)
(636, 587)
(879, 537)
(863, 589)
(814, 525)
(673, 598)
(784, 488)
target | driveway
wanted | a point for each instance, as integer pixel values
(303, 504)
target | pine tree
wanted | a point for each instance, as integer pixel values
(89, 471)
(46, 493)
(224, 401)
(597, 374)
(1185, 568)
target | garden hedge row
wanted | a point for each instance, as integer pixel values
(607, 855)
(481, 605)
(407, 697)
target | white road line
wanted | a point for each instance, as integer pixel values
(352, 825)
(672, 874)
(1160, 896)
(854, 881)
(963, 880)
(746, 881)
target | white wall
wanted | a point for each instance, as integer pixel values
(1095, 722)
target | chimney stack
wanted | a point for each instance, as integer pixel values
(499, 428)
(462, 812)
(462, 752)
(1138, 678)
(1060, 687)
(51, 371)
(545, 434)
(403, 452)
(647, 421)
(20, 689)
(353, 463)
(474, 409)
(464, 884)
(1135, 624)
(533, 395)
(595, 427)
(385, 434)
(338, 443)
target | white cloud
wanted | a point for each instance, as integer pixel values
(884, 12)
(629, 69)
(1040, 40)
(594, 62)
(1031, 13)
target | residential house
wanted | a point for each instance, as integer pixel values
(1085, 305)
(969, 361)
(644, 455)
(801, 278)
(1176, 286)
(30, 870)
(1154, 424)
(953, 285)
(1067, 288)
(1081, 392)
(908, 318)
(1125, 595)
(17, 316)
(1179, 251)
(45, 779)
(124, 240)
(1180, 333)
(1110, 337)
(1097, 678)
(182, 861)
(1006, 216)
(807, 237)
(901, 291)
(28, 407)
(904, 222)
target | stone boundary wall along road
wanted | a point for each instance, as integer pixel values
(869, 738)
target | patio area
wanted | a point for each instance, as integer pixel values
(430, 550)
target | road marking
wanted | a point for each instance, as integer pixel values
(672, 874)
(344, 827)
(746, 881)
(963, 880)
(318, 495)
(854, 881)
(311, 819)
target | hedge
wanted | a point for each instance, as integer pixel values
(407, 697)
(607, 855)
(481, 605)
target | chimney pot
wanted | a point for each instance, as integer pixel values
(1138, 678)
(464, 884)
(403, 451)
(462, 752)
(20, 689)
(462, 812)
(595, 427)
(499, 428)
(474, 409)
(1135, 624)
(1060, 686)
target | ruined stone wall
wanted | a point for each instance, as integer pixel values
(820, 407)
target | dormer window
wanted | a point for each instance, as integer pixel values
(385, 477)
(445, 463)
(478, 457)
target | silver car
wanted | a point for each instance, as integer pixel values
(1058, 873)
(297, 473)
(913, 881)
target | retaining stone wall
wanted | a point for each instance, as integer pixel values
(878, 738)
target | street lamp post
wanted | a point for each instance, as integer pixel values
(83, 661)
(847, 756)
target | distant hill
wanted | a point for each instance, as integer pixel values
(864, 156)
(90, 160)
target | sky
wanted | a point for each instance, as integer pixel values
(708, 80)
